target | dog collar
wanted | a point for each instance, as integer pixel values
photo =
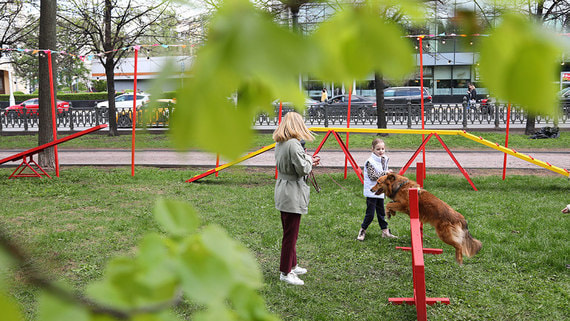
(398, 188)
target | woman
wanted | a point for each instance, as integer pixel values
(291, 190)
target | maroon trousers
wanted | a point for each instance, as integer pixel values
(290, 223)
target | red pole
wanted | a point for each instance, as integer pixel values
(422, 96)
(134, 113)
(507, 140)
(347, 126)
(217, 162)
(54, 111)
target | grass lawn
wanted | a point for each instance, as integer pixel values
(146, 140)
(74, 224)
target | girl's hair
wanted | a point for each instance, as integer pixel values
(292, 126)
(377, 141)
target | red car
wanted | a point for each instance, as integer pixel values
(32, 105)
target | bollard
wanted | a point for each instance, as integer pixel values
(496, 110)
(70, 111)
(409, 114)
(464, 122)
(25, 118)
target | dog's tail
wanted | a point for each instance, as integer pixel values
(470, 245)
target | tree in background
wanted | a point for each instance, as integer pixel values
(47, 40)
(109, 26)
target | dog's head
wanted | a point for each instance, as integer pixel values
(384, 184)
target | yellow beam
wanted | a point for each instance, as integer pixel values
(241, 159)
(516, 154)
(387, 130)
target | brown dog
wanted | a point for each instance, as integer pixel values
(449, 225)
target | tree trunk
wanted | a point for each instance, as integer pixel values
(47, 40)
(530, 124)
(380, 110)
(110, 73)
(109, 70)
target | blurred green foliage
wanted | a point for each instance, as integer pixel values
(519, 62)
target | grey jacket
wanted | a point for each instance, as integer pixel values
(291, 189)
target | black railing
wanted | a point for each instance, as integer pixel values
(407, 115)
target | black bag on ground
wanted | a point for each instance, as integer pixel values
(546, 132)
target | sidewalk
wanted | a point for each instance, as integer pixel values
(439, 159)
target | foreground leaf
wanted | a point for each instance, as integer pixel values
(357, 42)
(248, 55)
(519, 61)
(176, 218)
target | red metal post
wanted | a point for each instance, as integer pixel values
(54, 111)
(347, 126)
(134, 113)
(420, 174)
(422, 94)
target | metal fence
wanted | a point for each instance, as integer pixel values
(409, 115)
(331, 116)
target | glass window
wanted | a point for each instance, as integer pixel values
(389, 93)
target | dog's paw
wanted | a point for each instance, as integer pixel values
(390, 214)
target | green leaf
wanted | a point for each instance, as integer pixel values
(249, 305)
(205, 278)
(176, 218)
(519, 63)
(240, 261)
(10, 309)
(52, 308)
(149, 278)
(247, 54)
(357, 42)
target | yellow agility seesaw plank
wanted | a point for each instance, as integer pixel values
(516, 154)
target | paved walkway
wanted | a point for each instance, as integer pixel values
(333, 159)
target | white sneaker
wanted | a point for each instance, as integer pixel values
(299, 270)
(386, 233)
(291, 278)
(361, 234)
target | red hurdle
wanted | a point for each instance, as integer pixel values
(418, 269)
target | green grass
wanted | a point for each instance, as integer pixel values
(74, 224)
(146, 140)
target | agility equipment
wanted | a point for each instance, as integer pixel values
(239, 160)
(347, 154)
(419, 298)
(422, 147)
(437, 133)
(27, 156)
(442, 132)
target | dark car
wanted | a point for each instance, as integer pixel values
(401, 95)
(359, 106)
(396, 100)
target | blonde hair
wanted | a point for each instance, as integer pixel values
(292, 126)
(377, 141)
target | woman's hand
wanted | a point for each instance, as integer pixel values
(316, 160)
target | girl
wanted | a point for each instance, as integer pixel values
(291, 189)
(376, 166)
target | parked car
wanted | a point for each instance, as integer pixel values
(32, 106)
(125, 101)
(286, 104)
(401, 96)
(359, 106)
(160, 114)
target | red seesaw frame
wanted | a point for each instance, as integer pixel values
(418, 268)
(30, 164)
(461, 169)
(347, 153)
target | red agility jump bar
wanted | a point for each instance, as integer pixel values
(418, 268)
(30, 164)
